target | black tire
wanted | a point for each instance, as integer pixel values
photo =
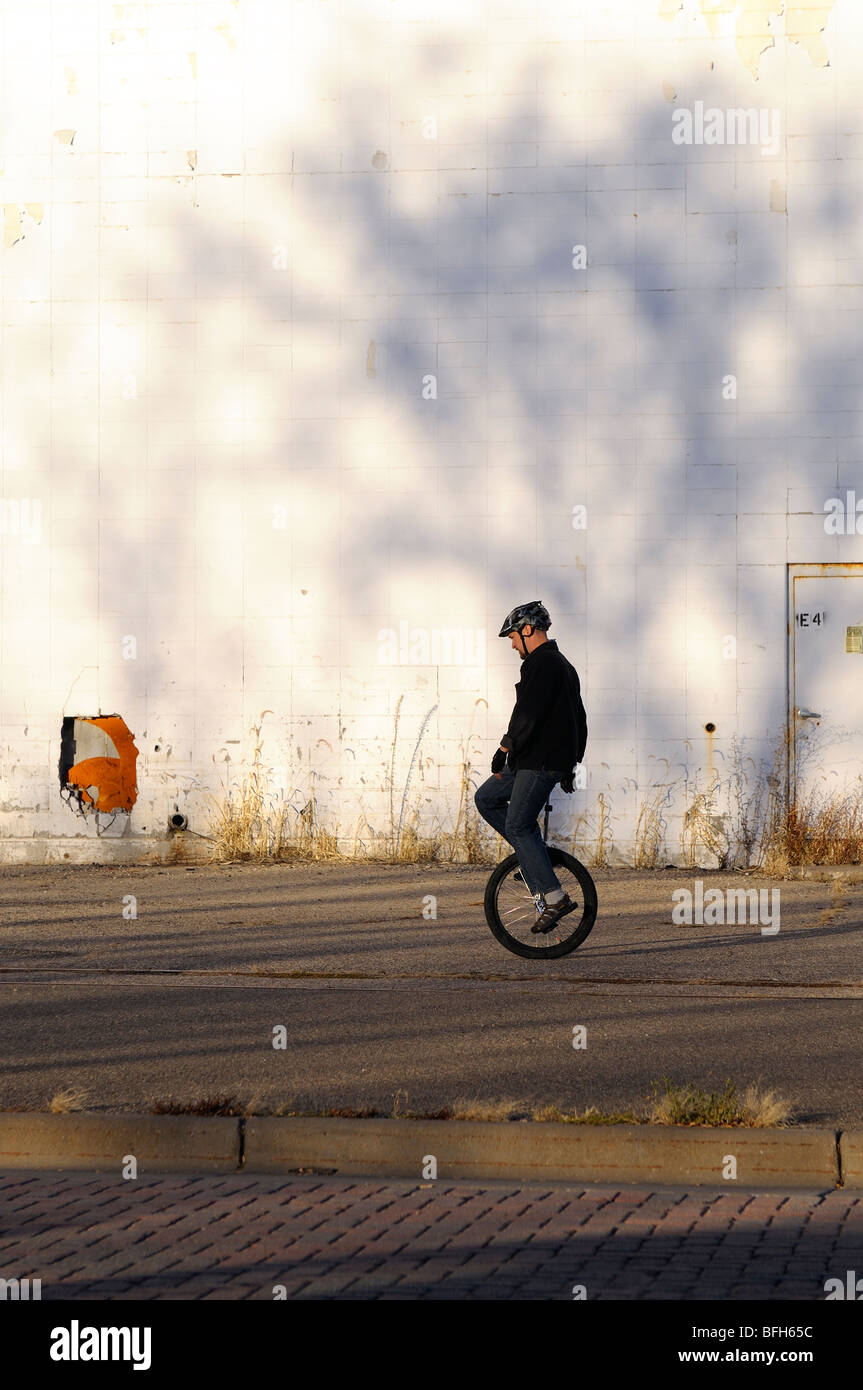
(509, 904)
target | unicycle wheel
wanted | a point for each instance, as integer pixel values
(511, 911)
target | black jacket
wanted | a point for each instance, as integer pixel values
(548, 727)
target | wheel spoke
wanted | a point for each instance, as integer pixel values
(516, 911)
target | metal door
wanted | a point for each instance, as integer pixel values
(826, 679)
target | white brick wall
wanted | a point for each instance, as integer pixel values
(221, 296)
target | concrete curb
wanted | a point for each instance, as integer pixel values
(101, 1143)
(539, 1151)
(637, 1154)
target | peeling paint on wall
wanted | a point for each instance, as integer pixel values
(64, 137)
(777, 196)
(11, 224)
(114, 780)
(757, 23)
(806, 27)
(12, 214)
(751, 25)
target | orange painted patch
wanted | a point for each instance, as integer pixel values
(115, 777)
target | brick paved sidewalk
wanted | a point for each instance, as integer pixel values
(320, 1237)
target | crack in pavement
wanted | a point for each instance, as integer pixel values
(168, 977)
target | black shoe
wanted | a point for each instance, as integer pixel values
(551, 914)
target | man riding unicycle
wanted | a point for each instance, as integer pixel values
(546, 738)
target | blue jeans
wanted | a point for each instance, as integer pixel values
(511, 802)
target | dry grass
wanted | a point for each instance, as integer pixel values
(408, 845)
(649, 839)
(487, 1111)
(753, 819)
(687, 1105)
(70, 1099)
(251, 822)
(206, 1105)
(310, 840)
(671, 1105)
(467, 842)
(505, 1111)
(705, 831)
(289, 1110)
(822, 829)
(592, 1115)
(254, 1105)
(399, 1111)
(745, 819)
(471, 840)
(765, 1109)
(678, 1105)
(593, 833)
(602, 849)
(747, 791)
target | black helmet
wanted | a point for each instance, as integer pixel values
(534, 613)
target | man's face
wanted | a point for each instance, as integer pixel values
(515, 640)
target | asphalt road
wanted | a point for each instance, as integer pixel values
(181, 1001)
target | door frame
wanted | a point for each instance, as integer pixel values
(827, 569)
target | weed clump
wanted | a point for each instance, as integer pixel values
(688, 1105)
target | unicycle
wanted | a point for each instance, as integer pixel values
(511, 911)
